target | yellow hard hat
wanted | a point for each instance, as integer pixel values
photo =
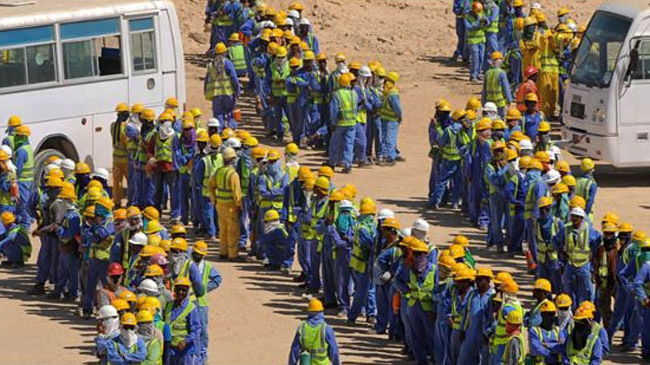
(496, 55)
(296, 6)
(68, 192)
(271, 215)
(339, 57)
(14, 121)
(609, 227)
(563, 301)
(610, 217)
(120, 304)
(89, 212)
(625, 227)
(23, 130)
(234, 37)
(220, 48)
(577, 202)
(322, 56)
(443, 106)
(153, 240)
(309, 183)
(227, 133)
(645, 243)
(188, 124)
(639, 236)
(179, 243)
(509, 286)
(7, 218)
(132, 211)
(380, 72)
(152, 303)
(182, 281)
(524, 161)
(456, 251)
(543, 284)
(303, 173)
(144, 316)
(587, 164)
(326, 171)
(513, 114)
(471, 115)
(281, 52)
(151, 213)
(196, 112)
(391, 222)
(560, 188)
(531, 97)
(81, 168)
(501, 277)
(251, 142)
(148, 115)
(171, 102)
(461, 240)
(446, 261)
(519, 22)
(153, 271)
(345, 80)
(485, 272)
(418, 245)
(294, 62)
(291, 148)
(563, 166)
(53, 182)
(128, 295)
(215, 141)
(535, 164)
(517, 136)
(178, 228)
(511, 154)
(544, 202)
(583, 313)
(473, 104)
(315, 305)
(200, 247)
(548, 307)
(153, 226)
(498, 125)
(514, 317)
(121, 107)
(498, 145)
(465, 274)
(309, 56)
(484, 124)
(544, 127)
(458, 114)
(118, 214)
(562, 11)
(288, 35)
(569, 180)
(273, 155)
(150, 250)
(392, 76)
(166, 117)
(322, 183)
(540, 17)
(202, 136)
(368, 209)
(336, 196)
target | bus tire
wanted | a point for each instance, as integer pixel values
(40, 161)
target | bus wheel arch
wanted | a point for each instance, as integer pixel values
(54, 145)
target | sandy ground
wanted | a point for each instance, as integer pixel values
(253, 316)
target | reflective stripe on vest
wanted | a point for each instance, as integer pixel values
(547, 336)
(386, 111)
(501, 337)
(222, 177)
(579, 251)
(494, 26)
(422, 292)
(276, 203)
(545, 248)
(218, 84)
(178, 326)
(450, 150)
(347, 100)
(312, 340)
(316, 216)
(278, 77)
(511, 206)
(460, 319)
(493, 90)
(475, 36)
(360, 254)
(102, 250)
(26, 250)
(118, 136)
(292, 96)
(529, 202)
(205, 279)
(163, 152)
(5, 196)
(27, 173)
(237, 56)
(583, 356)
(583, 188)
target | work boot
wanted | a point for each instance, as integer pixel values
(400, 159)
(454, 206)
(299, 278)
(346, 170)
(372, 320)
(53, 296)
(37, 289)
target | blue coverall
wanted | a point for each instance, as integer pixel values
(472, 310)
(640, 289)
(478, 194)
(189, 354)
(214, 281)
(496, 182)
(24, 187)
(491, 38)
(97, 267)
(549, 268)
(536, 188)
(388, 260)
(450, 169)
(342, 142)
(626, 276)
(69, 233)
(278, 247)
(516, 194)
(294, 197)
(12, 244)
(223, 105)
(113, 351)
(297, 84)
(390, 129)
(363, 280)
(343, 246)
(315, 319)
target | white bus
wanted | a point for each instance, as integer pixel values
(66, 64)
(607, 102)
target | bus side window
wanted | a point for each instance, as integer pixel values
(642, 71)
(92, 48)
(143, 44)
(27, 56)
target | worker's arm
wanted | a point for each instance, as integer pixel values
(196, 279)
(8, 238)
(593, 189)
(537, 348)
(19, 160)
(396, 104)
(558, 239)
(235, 188)
(294, 354)
(333, 347)
(138, 355)
(626, 277)
(515, 352)
(642, 277)
(505, 86)
(214, 279)
(401, 279)
(334, 111)
(194, 328)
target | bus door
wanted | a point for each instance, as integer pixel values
(145, 82)
(634, 110)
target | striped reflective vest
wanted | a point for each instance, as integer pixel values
(237, 56)
(545, 247)
(475, 36)
(493, 89)
(27, 173)
(223, 191)
(218, 84)
(577, 244)
(312, 340)
(421, 292)
(178, 326)
(386, 111)
(347, 101)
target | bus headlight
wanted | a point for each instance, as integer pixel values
(599, 115)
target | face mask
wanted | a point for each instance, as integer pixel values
(563, 18)
(128, 337)
(271, 226)
(111, 326)
(146, 330)
(340, 67)
(121, 226)
(176, 261)
(420, 263)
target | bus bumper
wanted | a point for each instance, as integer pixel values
(591, 145)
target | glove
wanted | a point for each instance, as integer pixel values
(386, 276)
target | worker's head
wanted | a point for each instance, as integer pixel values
(181, 288)
(549, 312)
(541, 289)
(577, 216)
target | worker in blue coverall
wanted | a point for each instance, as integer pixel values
(469, 307)
(496, 88)
(365, 236)
(14, 241)
(297, 98)
(277, 242)
(623, 310)
(641, 292)
(306, 34)
(271, 185)
(211, 280)
(185, 323)
(145, 188)
(391, 117)
(475, 25)
(577, 242)
(343, 238)
(244, 167)
(416, 284)
(197, 172)
(343, 113)
(626, 276)
(440, 121)
(221, 87)
(294, 206)
(491, 31)
(459, 8)
(545, 228)
(367, 104)
(23, 159)
(132, 133)
(278, 72)
(495, 181)
(101, 236)
(545, 340)
(373, 132)
(510, 303)
(442, 298)
(310, 337)
(477, 351)
(118, 349)
(515, 191)
(327, 229)
(387, 263)
(480, 156)
(582, 340)
(450, 168)
(314, 221)
(185, 156)
(586, 185)
(312, 120)
(532, 117)
(536, 188)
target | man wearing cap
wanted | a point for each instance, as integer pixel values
(465, 318)
(211, 280)
(23, 158)
(226, 195)
(391, 118)
(480, 157)
(271, 184)
(510, 304)
(496, 87)
(314, 342)
(577, 243)
(120, 153)
(184, 320)
(536, 189)
(164, 155)
(582, 343)
(15, 245)
(221, 86)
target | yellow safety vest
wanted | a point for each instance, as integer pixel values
(223, 192)
(476, 36)
(218, 84)
(163, 152)
(237, 56)
(178, 326)
(583, 356)
(347, 100)
(546, 248)
(312, 340)
(579, 251)
(118, 134)
(422, 292)
(522, 354)
(386, 111)
(360, 254)
(493, 90)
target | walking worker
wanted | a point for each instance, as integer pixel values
(586, 186)
(226, 195)
(496, 87)
(475, 26)
(391, 117)
(237, 54)
(365, 235)
(314, 342)
(15, 245)
(450, 168)
(222, 86)
(23, 158)
(120, 153)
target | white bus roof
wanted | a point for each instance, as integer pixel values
(628, 8)
(51, 11)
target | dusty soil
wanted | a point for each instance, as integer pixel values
(253, 316)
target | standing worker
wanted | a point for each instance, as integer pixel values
(450, 168)
(641, 292)
(549, 75)
(222, 86)
(314, 342)
(586, 185)
(120, 153)
(343, 111)
(496, 87)
(226, 195)
(183, 319)
(365, 235)
(391, 117)
(23, 158)
(237, 54)
(475, 24)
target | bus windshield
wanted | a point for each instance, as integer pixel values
(596, 58)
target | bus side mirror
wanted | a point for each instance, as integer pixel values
(634, 62)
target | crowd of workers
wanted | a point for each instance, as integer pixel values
(147, 287)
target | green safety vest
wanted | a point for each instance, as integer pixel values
(154, 346)
(548, 59)
(132, 349)
(553, 334)
(203, 300)
(491, 187)
(142, 147)
(278, 77)
(5, 196)
(312, 340)
(360, 254)
(316, 96)
(222, 191)
(276, 203)
(26, 250)
(475, 36)
(292, 96)
(27, 173)
(217, 84)
(223, 21)
(522, 354)
(178, 326)
(546, 248)
(500, 335)
(494, 26)
(386, 111)
(422, 292)
(291, 216)
(118, 136)
(493, 90)
(450, 150)
(511, 206)
(583, 188)
(583, 356)
(347, 100)
(459, 320)
(163, 149)
(316, 216)
(529, 202)
(102, 250)
(245, 177)
(237, 56)
(210, 164)
(578, 252)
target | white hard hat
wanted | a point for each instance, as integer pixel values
(552, 177)
(304, 21)
(525, 144)
(490, 107)
(579, 212)
(345, 204)
(213, 122)
(107, 311)
(293, 14)
(421, 225)
(536, 5)
(139, 239)
(67, 164)
(554, 152)
(385, 213)
(101, 173)
(405, 232)
(365, 71)
(49, 167)
(148, 286)
(233, 142)
(7, 150)
(288, 21)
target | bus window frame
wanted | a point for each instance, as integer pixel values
(154, 17)
(41, 85)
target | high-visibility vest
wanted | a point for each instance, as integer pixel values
(493, 90)
(512, 207)
(276, 202)
(547, 56)
(142, 147)
(494, 26)
(489, 169)
(500, 335)
(530, 201)
(151, 344)
(544, 335)
(450, 150)
(223, 20)
(237, 56)
(178, 326)
(131, 349)
(119, 146)
(422, 292)
(202, 301)
(312, 340)
(578, 251)
(360, 254)
(347, 100)
(163, 149)
(244, 177)
(522, 354)
(5, 196)
(386, 111)
(583, 188)
(460, 319)
(316, 216)
(102, 250)
(218, 84)
(291, 216)
(278, 78)
(583, 356)
(544, 247)
(362, 113)
(223, 192)
(27, 173)
(26, 250)
(475, 36)
(292, 96)
(640, 261)
(210, 164)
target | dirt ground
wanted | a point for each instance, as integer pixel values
(254, 314)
